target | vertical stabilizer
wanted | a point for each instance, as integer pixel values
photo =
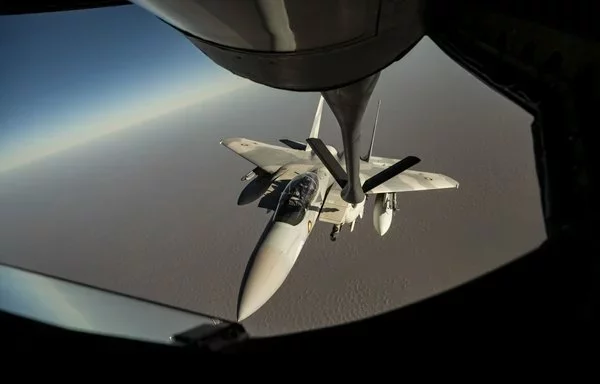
(368, 156)
(314, 132)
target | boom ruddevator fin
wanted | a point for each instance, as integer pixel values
(332, 165)
(294, 144)
(341, 177)
(390, 172)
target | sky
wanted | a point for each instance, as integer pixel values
(68, 77)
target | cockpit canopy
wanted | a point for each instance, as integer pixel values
(296, 198)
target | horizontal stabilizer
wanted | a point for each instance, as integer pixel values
(332, 165)
(294, 144)
(390, 172)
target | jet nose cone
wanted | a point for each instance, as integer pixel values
(267, 273)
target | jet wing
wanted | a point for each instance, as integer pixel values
(409, 180)
(266, 156)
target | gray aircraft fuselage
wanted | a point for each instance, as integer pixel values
(285, 236)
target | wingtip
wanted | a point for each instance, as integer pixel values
(227, 141)
(232, 140)
(452, 181)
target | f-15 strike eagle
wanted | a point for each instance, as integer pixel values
(302, 184)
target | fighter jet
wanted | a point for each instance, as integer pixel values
(302, 184)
